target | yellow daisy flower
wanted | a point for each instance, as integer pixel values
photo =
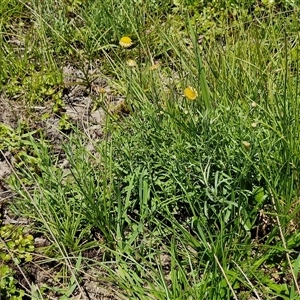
(190, 93)
(125, 42)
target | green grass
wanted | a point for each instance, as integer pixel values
(180, 199)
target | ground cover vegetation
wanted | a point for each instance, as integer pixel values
(149, 149)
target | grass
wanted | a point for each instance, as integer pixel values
(180, 198)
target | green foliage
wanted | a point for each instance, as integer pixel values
(212, 18)
(8, 289)
(187, 197)
(16, 241)
(15, 246)
(36, 87)
(19, 143)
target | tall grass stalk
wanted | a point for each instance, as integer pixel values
(200, 68)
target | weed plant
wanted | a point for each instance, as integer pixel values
(193, 192)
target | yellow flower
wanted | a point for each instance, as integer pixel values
(190, 93)
(125, 42)
(131, 63)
